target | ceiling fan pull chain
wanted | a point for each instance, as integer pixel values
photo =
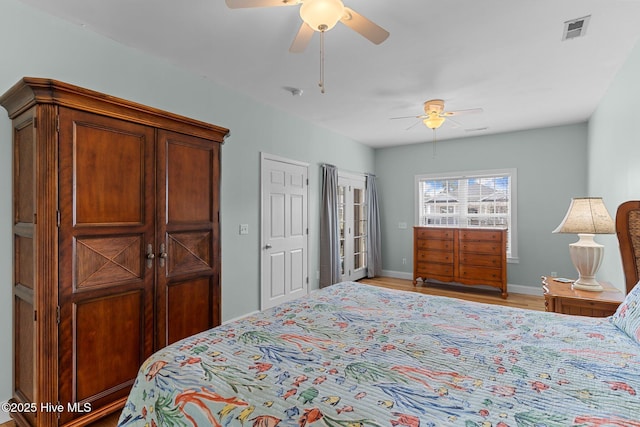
(434, 144)
(321, 84)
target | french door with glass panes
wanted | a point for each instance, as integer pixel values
(352, 217)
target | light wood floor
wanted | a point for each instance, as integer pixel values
(471, 293)
(491, 296)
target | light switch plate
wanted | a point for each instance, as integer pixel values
(244, 228)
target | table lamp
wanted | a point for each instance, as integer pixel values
(586, 216)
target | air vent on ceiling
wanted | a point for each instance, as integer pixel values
(575, 28)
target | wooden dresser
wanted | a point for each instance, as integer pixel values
(470, 256)
(116, 239)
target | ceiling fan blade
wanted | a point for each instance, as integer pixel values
(302, 39)
(240, 4)
(454, 124)
(363, 26)
(408, 117)
(414, 125)
(461, 112)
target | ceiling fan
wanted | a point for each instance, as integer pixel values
(320, 16)
(434, 115)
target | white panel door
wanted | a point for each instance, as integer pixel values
(284, 242)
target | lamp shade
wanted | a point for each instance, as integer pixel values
(587, 215)
(321, 15)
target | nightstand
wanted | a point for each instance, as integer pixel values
(561, 298)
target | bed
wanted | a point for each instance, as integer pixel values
(358, 355)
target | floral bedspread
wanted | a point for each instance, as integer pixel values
(356, 355)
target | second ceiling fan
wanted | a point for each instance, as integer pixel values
(435, 115)
(320, 16)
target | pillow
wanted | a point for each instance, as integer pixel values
(627, 316)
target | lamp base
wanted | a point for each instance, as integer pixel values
(587, 284)
(586, 255)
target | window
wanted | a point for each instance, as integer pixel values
(484, 199)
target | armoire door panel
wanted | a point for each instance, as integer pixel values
(24, 348)
(109, 171)
(188, 207)
(189, 252)
(24, 168)
(105, 290)
(189, 181)
(107, 260)
(24, 260)
(189, 308)
(109, 332)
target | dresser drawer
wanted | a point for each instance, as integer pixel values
(434, 233)
(472, 235)
(483, 260)
(441, 245)
(585, 308)
(480, 247)
(432, 269)
(445, 257)
(479, 274)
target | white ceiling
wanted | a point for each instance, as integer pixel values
(504, 56)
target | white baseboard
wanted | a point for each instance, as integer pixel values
(241, 317)
(526, 290)
(511, 288)
(4, 416)
(397, 274)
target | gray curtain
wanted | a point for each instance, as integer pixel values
(329, 233)
(374, 253)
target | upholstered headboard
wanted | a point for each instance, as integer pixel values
(628, 231)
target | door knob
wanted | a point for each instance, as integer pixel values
(268, 246)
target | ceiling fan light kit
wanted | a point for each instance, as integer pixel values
(433, 110)
(433, 122)
(321, 15)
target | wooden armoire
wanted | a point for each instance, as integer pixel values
(116, 244)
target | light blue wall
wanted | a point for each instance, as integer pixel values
(35, 44)
(614, 154)
(551, 168)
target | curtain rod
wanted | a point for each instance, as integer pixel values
(347, 171)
